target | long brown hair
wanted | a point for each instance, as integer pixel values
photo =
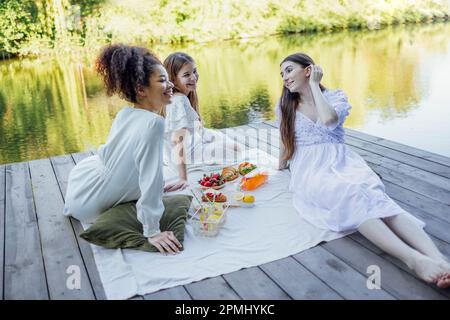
(288, 104)
(173, 64)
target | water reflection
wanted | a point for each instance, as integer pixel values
(58, 106)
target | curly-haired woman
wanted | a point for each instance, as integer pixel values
(129, 165)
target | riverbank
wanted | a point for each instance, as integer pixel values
(32, 28)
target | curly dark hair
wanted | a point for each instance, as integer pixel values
(124, 67)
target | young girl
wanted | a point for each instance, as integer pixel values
(186, 141)
(129, 166)
(333, 187)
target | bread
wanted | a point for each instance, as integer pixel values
(246, 167)
(229, 173)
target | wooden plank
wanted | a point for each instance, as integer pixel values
(175, 293)
(419, 201)
(77, 157)
(388, 163)
(434, 225)
(59, 246)
(297, 281)
(253, 283)
(2, 225)
(419, 153)
(415, 180)
(413, 184)
(241, 134)
(62, 166)
(345, 280)
(24, 267)
(405, 268)
(395, 281)
(211, 289)
(267, 133)
(404, 158)
(443, 246)
(358, 237)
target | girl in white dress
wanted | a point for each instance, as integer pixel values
(186, 141)
(129, 165)
(333, 187)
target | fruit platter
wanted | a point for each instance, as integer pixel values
(214, 181)
(214, 197)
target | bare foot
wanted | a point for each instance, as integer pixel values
(444, 280)
(429, 270)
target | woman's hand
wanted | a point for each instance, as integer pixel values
(316, 74)
(282, 164)
(179, 185)
(166, 242)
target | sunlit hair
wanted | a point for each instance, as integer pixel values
(124, 68)
(173, 64)
(288, 104)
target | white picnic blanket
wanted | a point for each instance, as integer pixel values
(271, 230)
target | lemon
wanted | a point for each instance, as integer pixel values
(238, 196)
(214, 218)
(248, 198)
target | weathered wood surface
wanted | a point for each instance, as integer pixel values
(38, 243)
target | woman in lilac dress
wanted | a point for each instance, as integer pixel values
(333, 187)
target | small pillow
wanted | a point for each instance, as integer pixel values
(119, 227)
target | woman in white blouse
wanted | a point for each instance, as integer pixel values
(186, 141)
(129, 165)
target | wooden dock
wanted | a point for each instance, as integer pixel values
(38, 243)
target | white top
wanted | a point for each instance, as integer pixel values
(128, 167)
(181, 115)
(308, 132)
(203, 146)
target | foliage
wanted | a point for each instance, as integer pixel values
(40, 26)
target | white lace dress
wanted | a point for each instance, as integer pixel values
(333, 187)
(203, 146)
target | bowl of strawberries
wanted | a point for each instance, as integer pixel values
(214, 197)
(214, 181)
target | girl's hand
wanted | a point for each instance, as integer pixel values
(282, 164)
(166, 242)
(179, 185)
(316, 74)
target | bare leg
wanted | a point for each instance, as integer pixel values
(414, 235)
(426, 268)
